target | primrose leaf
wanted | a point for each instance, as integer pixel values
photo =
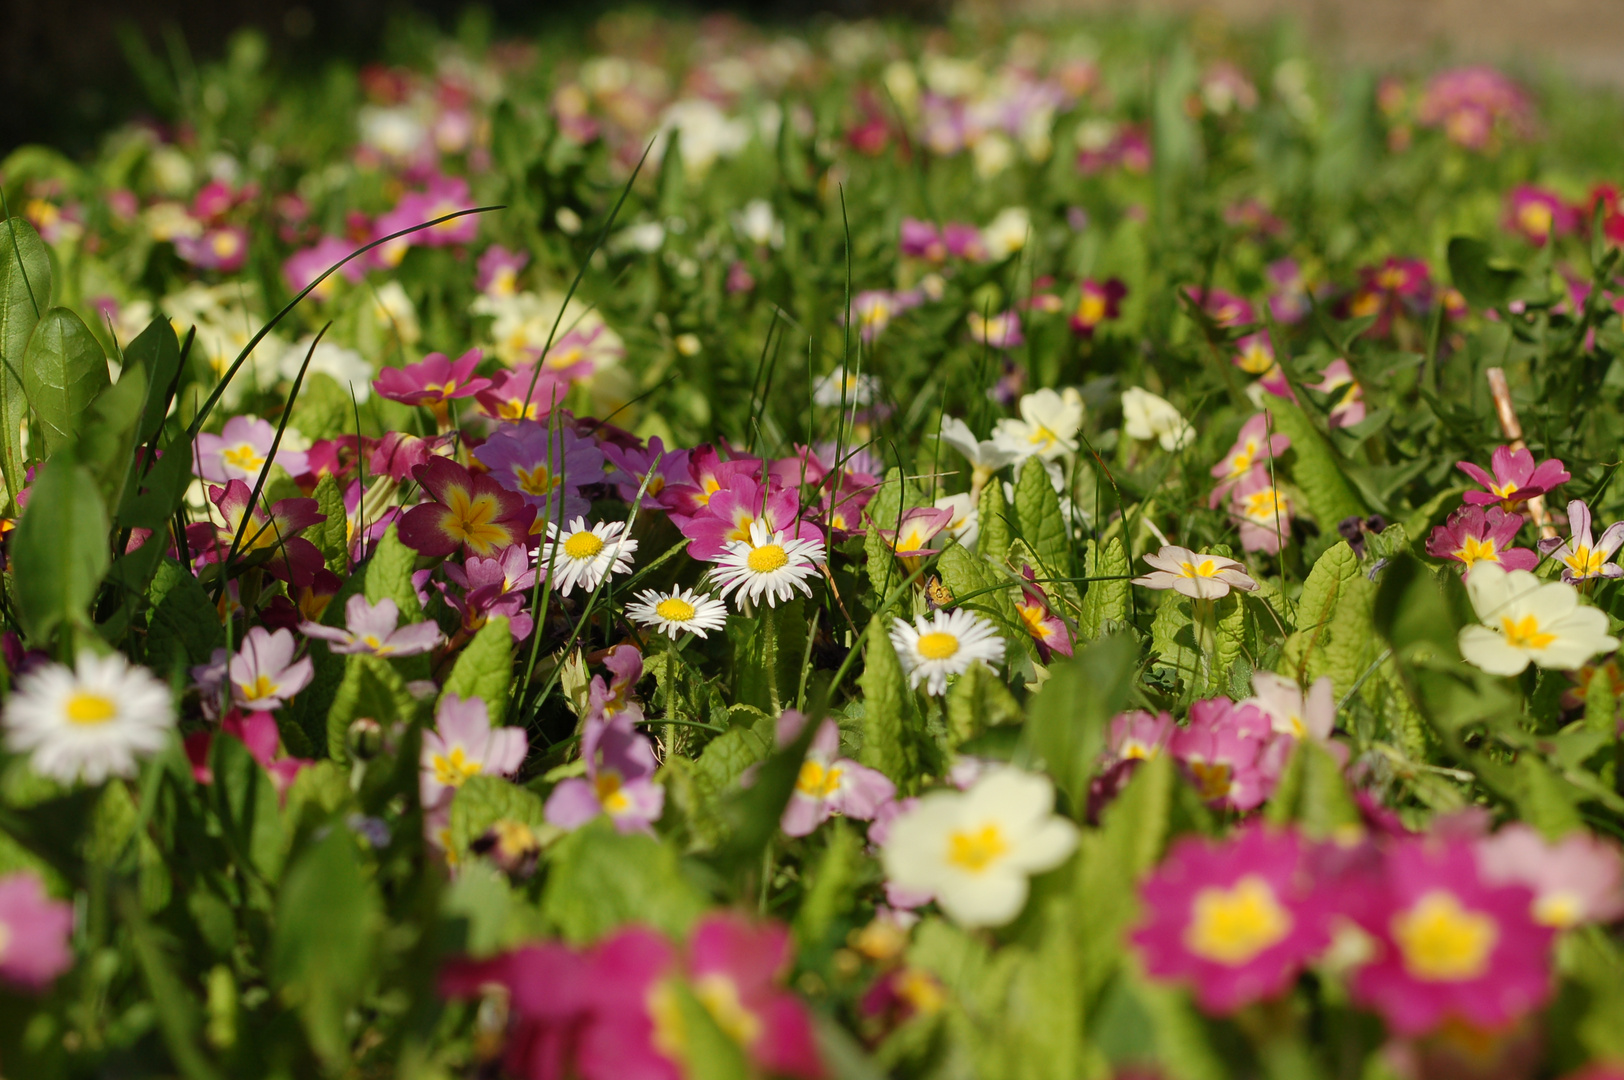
(59, 552)
(600, 879)
(887, 704)
(64, 369)
(25, 295)
(1037, 508)
(389, 574)
(485, 669)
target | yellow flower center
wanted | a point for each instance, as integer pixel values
(1364, 303)
(1255, 359)
(243, 456)
(456, 768)
(1035, 618)
(742, 521)
(1243, 460)
(1524, 633)
(675, 609)
(1231, 926)
(1211, 778)
(921, 990)
(516, 409)
(977, 850)
(262, 687)
(1265, 506)
(1205, 568)
(1559, 909)
(1441, 941)
(1042, 436)
(1474, 550)
(720, 996)
(611, 796)
(1536, 219)
(1091, 309)
(472, 521)
(375, 643)
(938, 645)
(537, 481)
(878, 315)
(817, 780)
(583, 545)
(767, 558)
(224, 244)
(1585, 562)
(88, 710)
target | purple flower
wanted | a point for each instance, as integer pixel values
(543, 467)
(1516, 478)
(463, 745)
(1579, 879)
(303, 267)
(433, 381)
(619, 780)
(372, 629)
(1229, 753)
(1473, 534)
(491, 587)
(262, 676)
(628, 465)
(34, 931)
(240, 451)
(922, 240)
(224, 249)
(1581, 557)
(829, 784)
(499, 270)
(998, 332)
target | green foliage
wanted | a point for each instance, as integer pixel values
(1037, 507)
(1105, 603)
(1066, 724)
(389, 576)
(887, 706)
(602, 879)
(59, 553)
(64, 369)
(25, 295)
(484, 669)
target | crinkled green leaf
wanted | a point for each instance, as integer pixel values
(484, 669)
(977, 701)
(993, 519)
(1068, 715)
(389, 574)
(482, 801)
(184, 628)
(600, 879)
(1316, 471)
(371, 688)
(887, 706)
(1037, 508)
(1335, 634)
(331, 537)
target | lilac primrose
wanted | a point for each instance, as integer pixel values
(374, 629)
(619, 780)
(1581, 557)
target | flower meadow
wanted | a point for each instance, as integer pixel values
(673, 549)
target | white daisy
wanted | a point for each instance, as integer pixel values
(678, 611)
(854, 389)
(768, 564)
(91, 721)
(946, 644)
(585, 556)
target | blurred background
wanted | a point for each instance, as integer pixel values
(70, 69)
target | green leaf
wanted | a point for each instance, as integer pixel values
(178, 1017)
(1482, 284)
(707, 1050)
(156, 352)
(1066, 729)
(246, 803)
(59, 553)
(1335, 635)
(389, 574)
(485, 668)
(600, 879)
(832, 885)
(965, 574)
(371, 688)
(1112, 858)
(483, 801)
(107, 444)
(25, 295)
(993, 518)
(887, 705)
(883, 572)
(64, 369)
(323, 946)
(977, 701)
(1313, 793)
(1106, 602)
(184, 628)
(1037, 508)
(1316, 470)
(331, 537)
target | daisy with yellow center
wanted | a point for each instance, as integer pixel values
(679, 611)
(945, 644)
(584, 556)
(94, 720)
(770, 565)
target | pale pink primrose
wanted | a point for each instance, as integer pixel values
(374, 629)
